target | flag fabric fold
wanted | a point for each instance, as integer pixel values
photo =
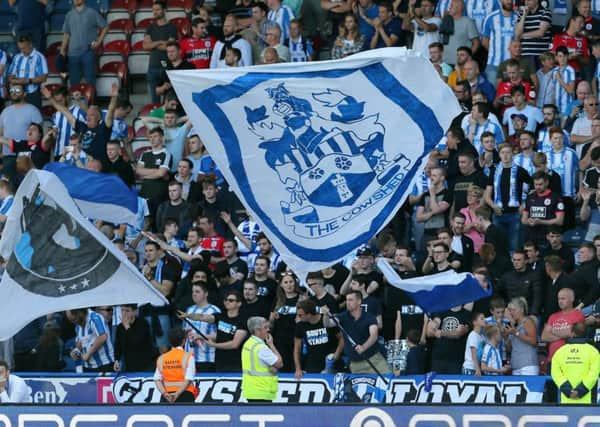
(322, 154)
(98, 195)
(436, 292)
(57, 260)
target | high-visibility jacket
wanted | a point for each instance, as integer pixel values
(576, 362)
(173, 365)
(258, 382)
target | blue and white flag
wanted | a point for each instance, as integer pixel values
(98, 195)
(321, 154)
(57, 260)
(436, 292)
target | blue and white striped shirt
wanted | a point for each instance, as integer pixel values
(562, 97)
(478, 10)
(488, 126)
(3, 61)
(95, 326)
(566, 165)
(65, 130)
(442, 7)
(274, 258)
(29, 67)
(499, 29)
(544, 145)
(6, 204)
(202, 351)
(282, 17)
(491, 357)
(297, 51)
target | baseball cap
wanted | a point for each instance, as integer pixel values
(366, 251)
(519, 116)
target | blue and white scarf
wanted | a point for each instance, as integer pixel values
(513, 197)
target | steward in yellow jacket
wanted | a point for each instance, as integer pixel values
(575, 368)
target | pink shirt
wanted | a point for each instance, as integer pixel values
(477, 237)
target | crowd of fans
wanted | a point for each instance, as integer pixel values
(511, 194)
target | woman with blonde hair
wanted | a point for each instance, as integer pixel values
(521, 340)
(474, 198)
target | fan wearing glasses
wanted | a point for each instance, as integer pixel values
(231, 333)
(582, 128)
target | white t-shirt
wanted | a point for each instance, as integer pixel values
(266, 356)
(16, 392)
(423, 39)
(534, 118)
(474, 340)
(581, 127)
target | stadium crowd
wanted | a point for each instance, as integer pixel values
(511, 194)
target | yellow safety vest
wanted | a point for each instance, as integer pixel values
(576, 363)
(258, 382)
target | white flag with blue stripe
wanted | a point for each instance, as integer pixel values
(57, 260)
(321, 154)
(436, 292)
(98, 195)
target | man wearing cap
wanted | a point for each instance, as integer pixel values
(28, 69)
(519, 122)
(534, 115)
(364, 265)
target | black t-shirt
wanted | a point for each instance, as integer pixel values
(544, 206)
(371, 305)
(228, 360)
(262, 308)
(452, 162)
(375, 276)
(122, 169)
(238, 266)
(590, 180)
(282, 332)
(93, 141)
(452, 349)
(160, 32)
(167, 272)
(183, 65)
(319, 341)
(440, 220)
(326, 300)
(461, 185)
(339, 277)
(398, 300)
(267, 289)
(38, 155)
(155, 189)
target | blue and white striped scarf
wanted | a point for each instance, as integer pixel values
(513, 198)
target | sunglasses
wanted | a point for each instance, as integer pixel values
(230, 300)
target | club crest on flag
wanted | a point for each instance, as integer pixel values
(321, 154)
(42, 261)
(325, 150)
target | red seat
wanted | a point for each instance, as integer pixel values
(51, 61)
(122, 24)
(129, 5)
(53, 49)
(184, 27)
(144, 23)
(145, 4)
(141, 132)
(145, 110)
(86, 89)
(180, 4)
(119, 46)
(119, 68)
(47, 110)
(52, 87)
(138, 153)
(130, 133)
(138, 45)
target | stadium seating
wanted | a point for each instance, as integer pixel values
(184, 27)
(116, 15)
(145, 110)
(136, 36)
(181, 4)
(104, 82)
(175, 13)
(122, 24)
(128, 5)
(53, 48)
(119, 69)
(143, 18)
(53, 37)
(63, 6)
(122, 47)
(115, 35)
(86, 89)
(56, 21)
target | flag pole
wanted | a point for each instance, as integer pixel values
(354, 344)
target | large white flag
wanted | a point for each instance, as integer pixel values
(58, 260)
(322, 154)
